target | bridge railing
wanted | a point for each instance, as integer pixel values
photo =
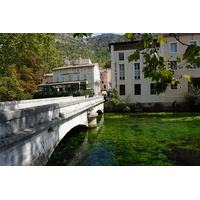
(13, 105)
(14, 121)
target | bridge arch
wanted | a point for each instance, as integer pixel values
(71, 133)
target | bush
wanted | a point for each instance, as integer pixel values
(159, 107)
(117, 104)
(24, 96)
(193, 98)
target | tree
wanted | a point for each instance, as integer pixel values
(15, 46)
(9, 86)
(156, 65)
(30, 55)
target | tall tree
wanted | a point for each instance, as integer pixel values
(32, 54)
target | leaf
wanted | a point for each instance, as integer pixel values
(166, 72)
(156, 55)
(188, 66)
(130, 36)
(134, 56)
(178, 60)
(161, 40)
(81, 35)
(188, 77)
(173, 82)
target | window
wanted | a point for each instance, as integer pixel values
(121, 72)
(77, 70)
(85, 69)
(63, 78)
(174, 87)
(193, 66)
(57, 79)
(137, 71)
(192, 42)
(173, 65)
(137, 89)
(196, 82)
(173, 47)
(122, 89)
(85, 76)
(121, 56)
(152, 88)
(78, 77)
(69, 70)
(70, 77)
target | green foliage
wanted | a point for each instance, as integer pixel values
(38, 95)
(156, 68)
(135, 56)
(80, 35)
(24, 96)
(117, 104)
(188, 77)
(31, 55)
(193, 98)
(72, 47)
(10, 88)
(114, 100)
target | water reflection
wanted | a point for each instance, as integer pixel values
(72, 150)
(85, 157)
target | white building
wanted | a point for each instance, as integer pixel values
(81, 76)
(128, 78)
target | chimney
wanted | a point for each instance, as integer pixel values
(79, 60)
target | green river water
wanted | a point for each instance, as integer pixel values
(120, 139)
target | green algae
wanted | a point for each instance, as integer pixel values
(135, 139)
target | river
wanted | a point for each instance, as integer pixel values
(122, 139)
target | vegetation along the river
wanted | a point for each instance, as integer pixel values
(134, 139)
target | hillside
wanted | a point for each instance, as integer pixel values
(96, 48)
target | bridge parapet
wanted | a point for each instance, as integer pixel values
(14, 105)
(13, 121)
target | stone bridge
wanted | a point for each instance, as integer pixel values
(30, 130)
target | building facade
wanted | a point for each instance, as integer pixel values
(47, 78)
(82, 75)
(105, 76)
(128, 78)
